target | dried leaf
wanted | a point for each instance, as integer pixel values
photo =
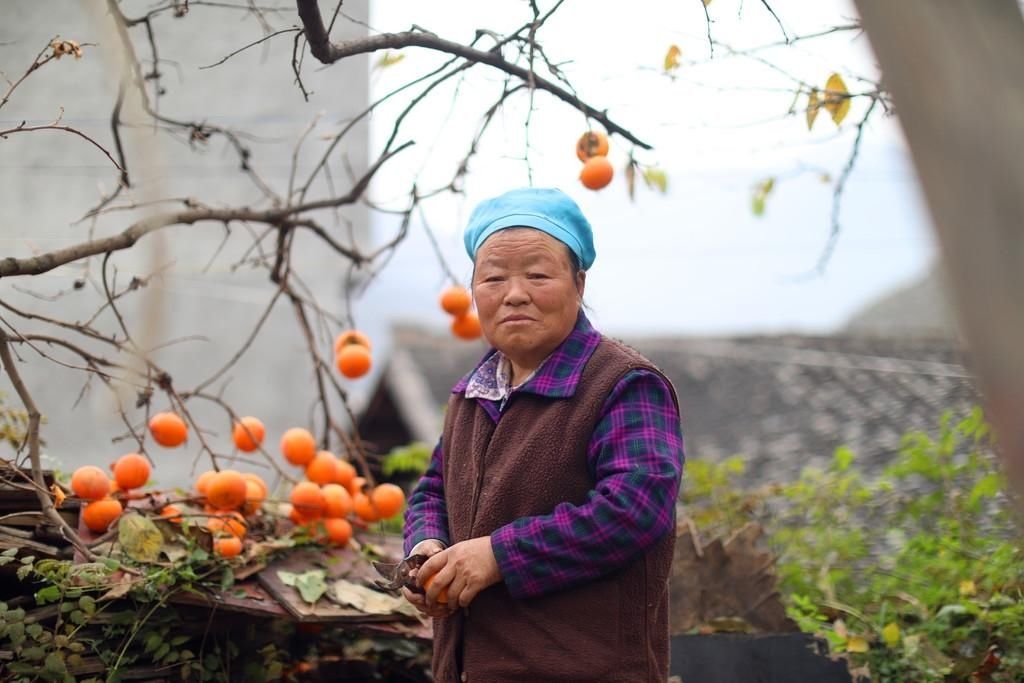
(119, 589)
(813, 105)
(387, 59)
(368, 600)
(139, 537)
(672, 58)
(707, 2)
(58, 495)
(65, 47)
(837, 98)
(175, 552)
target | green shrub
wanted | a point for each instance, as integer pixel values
(916, 574)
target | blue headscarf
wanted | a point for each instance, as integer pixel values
(544, 209)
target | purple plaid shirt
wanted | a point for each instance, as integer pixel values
(635, 456)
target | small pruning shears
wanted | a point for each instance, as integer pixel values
(397, 574)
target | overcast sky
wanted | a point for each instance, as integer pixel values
(694, 261)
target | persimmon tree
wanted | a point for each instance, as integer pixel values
(105, 345)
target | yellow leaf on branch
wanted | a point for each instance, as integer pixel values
(672, 58)
(891, 634)
(387, 59)
(837, 98)
(757, 205)
(656, 178)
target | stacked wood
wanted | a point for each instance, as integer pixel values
(725, 585)
(22, 524)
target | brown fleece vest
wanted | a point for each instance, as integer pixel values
(614, 628)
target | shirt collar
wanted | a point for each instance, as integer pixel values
(560, 372)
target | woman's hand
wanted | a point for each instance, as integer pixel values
(464, 569)
(429, 547)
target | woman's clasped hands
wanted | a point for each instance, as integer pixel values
(453, 576)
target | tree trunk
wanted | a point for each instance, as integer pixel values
(955, 69)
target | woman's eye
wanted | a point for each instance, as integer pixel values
(494, 278)
(537, 276)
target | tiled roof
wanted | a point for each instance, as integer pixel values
(780, 401)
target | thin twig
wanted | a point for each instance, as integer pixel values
(67, 129)
(707, 18)
(252, 44)
(837, 194)
(777, 20)
(36, 63)
(245, 346)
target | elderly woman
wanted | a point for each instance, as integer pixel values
(548, 506)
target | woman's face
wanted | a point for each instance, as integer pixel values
(526, 295)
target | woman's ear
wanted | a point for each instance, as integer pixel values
(581, 282)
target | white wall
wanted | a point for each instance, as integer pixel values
(49, 179)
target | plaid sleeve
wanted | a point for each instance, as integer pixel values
(636, 455)
(426, 515)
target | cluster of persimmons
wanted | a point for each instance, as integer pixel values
(592, 150)
(227, 501)
(353, 350)
(456, 302)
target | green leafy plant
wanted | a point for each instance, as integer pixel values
(916, 574)
(410, 459)
(93, 617)
(13, 424)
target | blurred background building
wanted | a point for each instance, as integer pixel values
(199, 292)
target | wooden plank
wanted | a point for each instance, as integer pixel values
(256, 601)
(9, 538)
(421, 630)
(347, 563)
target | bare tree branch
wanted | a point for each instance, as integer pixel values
(327, 52)
(67, 129)
(34, 416)
(252, 44)
(707, 19)
(777, 20)
(45, 262)
(837, 194)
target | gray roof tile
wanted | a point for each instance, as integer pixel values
(781, 402)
